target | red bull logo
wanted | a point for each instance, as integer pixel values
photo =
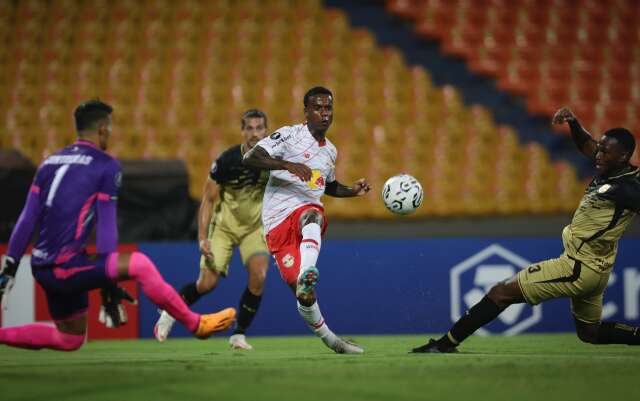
(317, 180)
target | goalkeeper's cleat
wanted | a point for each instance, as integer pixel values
(342, 346)
(215, 322)
(239, 341)
(434, 347)
(163, 326)
(307, 280)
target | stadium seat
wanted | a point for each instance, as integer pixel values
(551, 39)
(181, 73)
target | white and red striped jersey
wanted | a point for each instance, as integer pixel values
(285, 192)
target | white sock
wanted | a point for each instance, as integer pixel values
(310, 246)
(313, 317)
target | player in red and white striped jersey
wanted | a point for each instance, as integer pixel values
(303, 164)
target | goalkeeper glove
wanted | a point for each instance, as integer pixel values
(112, 312)
(7, 279)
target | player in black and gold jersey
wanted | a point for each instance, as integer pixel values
(230, 216)
(581, 273)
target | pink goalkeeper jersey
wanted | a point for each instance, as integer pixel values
(285, 192)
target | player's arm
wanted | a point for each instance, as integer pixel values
(583, 140)
(112, 312)
(21, 234)
(20, 237)
(259, 158)
(338, 190)
(210, 195)
(107, 226)
(106, 209)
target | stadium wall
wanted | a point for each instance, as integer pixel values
(398, 286)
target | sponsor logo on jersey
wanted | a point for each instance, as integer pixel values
(279, 139)
(316, 181)
(604, 188)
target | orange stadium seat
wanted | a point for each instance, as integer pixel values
(181, 73)
(586, 43)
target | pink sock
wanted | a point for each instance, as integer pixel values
(38, 336)
(142, 269)
(112, 266)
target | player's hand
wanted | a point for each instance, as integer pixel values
(7, 279)
(361, 187)
(299, 170)
(562, 115)
(205, 249)
(112, 312)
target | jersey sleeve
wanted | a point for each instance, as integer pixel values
(625, 194)
(331, 177)
(218, 169)
(106, 208)
(276, 144)
(111, 182)
(27, 221)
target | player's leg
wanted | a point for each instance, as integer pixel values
(190, 293)
(206, 282)
(69, 312)
(494, 302)
(39, 335)
(284, 244)
(310, 222)
(554, 278)
(615, 333)
(255, 257)
(66, 336)
(309, 309)
(140, 268)
(66, 287)
(587, 312)
(250, 300)
(221, 246)
(524, 287)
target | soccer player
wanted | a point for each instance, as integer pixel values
(302, 163)
(236, 192)
(73, 190)
(581, 273)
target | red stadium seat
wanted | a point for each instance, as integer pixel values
(583, 54)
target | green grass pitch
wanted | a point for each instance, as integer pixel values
(527, 367)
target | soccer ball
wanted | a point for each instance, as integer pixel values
(402, 194)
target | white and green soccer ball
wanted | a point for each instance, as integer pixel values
(402, 194)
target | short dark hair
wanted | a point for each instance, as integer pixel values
(87, 114)
(316, 90)
(624, 137)
(252, 113)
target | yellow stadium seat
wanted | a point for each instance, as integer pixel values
(180, 74)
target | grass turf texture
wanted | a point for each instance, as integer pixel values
(528, 367)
